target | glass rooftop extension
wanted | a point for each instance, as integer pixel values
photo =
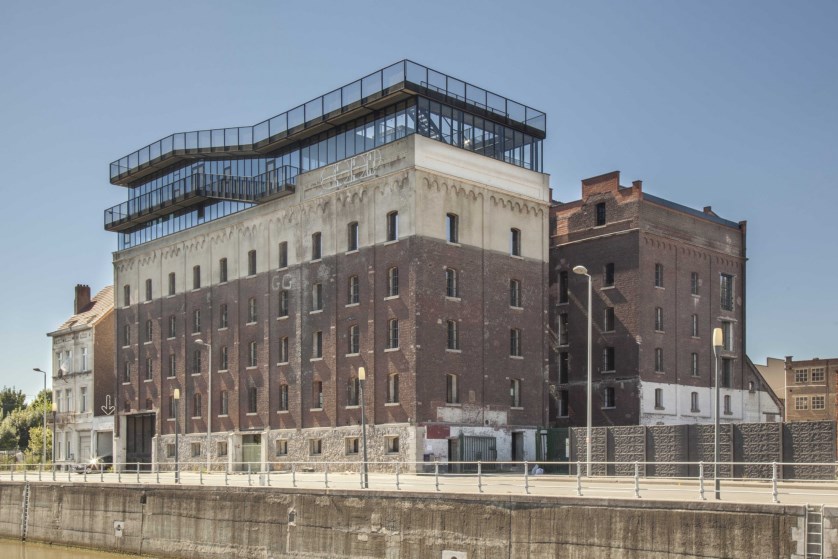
(361, 97)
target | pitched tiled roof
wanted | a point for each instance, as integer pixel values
(98, 307)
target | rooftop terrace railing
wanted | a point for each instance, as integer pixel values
(246, 140)
(193, 189)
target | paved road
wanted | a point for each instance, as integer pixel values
(814, 492)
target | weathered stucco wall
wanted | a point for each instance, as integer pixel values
(199, 522)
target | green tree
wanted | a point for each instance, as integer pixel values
(14, 429)
(11, 399)
(32, 454)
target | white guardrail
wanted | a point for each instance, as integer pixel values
(815, 479)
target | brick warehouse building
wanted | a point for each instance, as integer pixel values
(810, 389)
(664, 276)
(399, 223)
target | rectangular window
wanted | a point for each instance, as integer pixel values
(222, 270)
(317, 394)
(196, 449)
(283, 397)
(251, 310)
(608, 401)
(283, 255)
(515, 393)
(563, 403)
(196, 321)
(608, 364)
(354, 340)
(196, 362)
(694, 325)
(564, 287)
(149, 369)
(515, 293)
(452, 227)
(316, 246)
(85, 361)
(196, 277)
(728, 410)
(352, 236)
(694, 283)
(659, 319)
(727, 335)
(149, 331)
(726, 292)
(252, 399)
(126, 296)
(818, 375)
(659, 398)
(283, 303)
(608, 275)
(148, 290)
(126, 376)
(564, 367)
(351, 444)
(126, 335)
(563, 329)
(172, 372)
(452, 287)
(453, 335)
(658, 360)
(452, 394)
(658, 275)
(393, 226)
(393, 282)
(225, 359)
(83, 399)
(171, 283)
(515, 242)
(801, 376)
(283, 349)
(221, 448)
(252, 355)
(392, 388)
(801, 403)
(353, 388)
(172, 411)
(315, 447)
(515, 349)
(608, 320)
(172, 326)
(694, 364)
(392, 444)
(222, 316)
(317, 344)
(694, 402)
(354, 291)
(600, 214)
(223, 403)
(393, 333)
(251, 263)
(281, 447)
(317, 297)
(727, 373)
(170, 449)
(818, 402)
(196, 405)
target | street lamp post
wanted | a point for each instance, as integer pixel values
(718, 342)
(209, 398)
(583, 271)
(54, 414)
(176, 396)
(44, 434)
(362, 376)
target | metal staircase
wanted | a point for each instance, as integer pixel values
(814, 532)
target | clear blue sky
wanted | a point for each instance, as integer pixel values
(729, 104)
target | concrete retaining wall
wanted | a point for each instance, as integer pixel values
(203, 522)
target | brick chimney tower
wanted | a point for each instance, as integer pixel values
(82, 298)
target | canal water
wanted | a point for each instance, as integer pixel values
(11, 549)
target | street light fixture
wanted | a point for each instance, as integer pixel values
(583, 271)
(362, 376)
(176, 396)
(718, 343)
(199, 341)
(44, 434)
